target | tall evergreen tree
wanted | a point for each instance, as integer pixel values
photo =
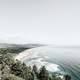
(67, 77)
(35, 72)
(43, 75)
(35, 69)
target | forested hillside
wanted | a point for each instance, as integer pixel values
(12, 50)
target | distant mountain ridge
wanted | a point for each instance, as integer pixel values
(6, 45)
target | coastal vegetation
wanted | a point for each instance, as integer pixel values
(11, 69)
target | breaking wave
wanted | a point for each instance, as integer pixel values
(63, 60)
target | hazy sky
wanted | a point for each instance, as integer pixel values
(45, 21)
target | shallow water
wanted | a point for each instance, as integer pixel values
(66, 58)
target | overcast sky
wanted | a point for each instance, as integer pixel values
(44, 21)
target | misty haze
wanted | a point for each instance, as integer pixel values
(39, 40)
